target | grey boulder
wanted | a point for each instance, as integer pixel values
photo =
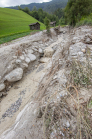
(15, 75)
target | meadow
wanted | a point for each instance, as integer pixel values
(14, 24)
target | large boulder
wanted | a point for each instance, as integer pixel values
(2, 86)
(15, 75)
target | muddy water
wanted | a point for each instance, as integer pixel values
(18, 96)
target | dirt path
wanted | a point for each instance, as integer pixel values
(18, 96)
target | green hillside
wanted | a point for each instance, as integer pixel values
(15, 21)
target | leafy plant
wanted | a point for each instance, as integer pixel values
(47, 24)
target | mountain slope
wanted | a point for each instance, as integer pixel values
(46, 6)
(14, 21)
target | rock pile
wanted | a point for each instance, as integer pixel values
(21, 55)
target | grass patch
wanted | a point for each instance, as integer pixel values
(15, 21)
(15, 36)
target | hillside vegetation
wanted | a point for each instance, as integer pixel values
(49, 7)
(85, 21)
(76, 10)
(15, 22)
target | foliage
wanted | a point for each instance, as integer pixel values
(85, 21)
(40, 15)
(75, 9)
(47, 24)
(59, 12)
(62, 21)
(15, 21)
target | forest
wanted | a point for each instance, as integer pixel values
(49, 7)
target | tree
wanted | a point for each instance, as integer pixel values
(34, 8)
(59, 12)
(75, 9)
(47, 24)
(19, 8)
(26, 10)
(35, 14)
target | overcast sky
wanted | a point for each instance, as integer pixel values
(7, 3)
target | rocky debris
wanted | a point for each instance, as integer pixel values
(88, 39)
(23, 52)
(31, 57)
(2, 86)
(48, 52)
(15, 75)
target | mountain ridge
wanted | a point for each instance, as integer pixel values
(49, 7)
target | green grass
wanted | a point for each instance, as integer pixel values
(15, 36)
(85, 21)
(15, 22)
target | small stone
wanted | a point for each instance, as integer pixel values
(80, 54)
(22, 57)
(15, 57)
(32, 57)
(67, 124)
(88, 40)
(2, 86)
(9, 87)
(10, 67)
(40, 51)
(18, 61)
(27, 60)
(83, 50)
(0, 77)
(24, 65)
(44, 60)
(30, 51)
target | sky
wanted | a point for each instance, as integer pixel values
(7, 3)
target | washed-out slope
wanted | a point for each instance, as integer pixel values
(15, 21)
